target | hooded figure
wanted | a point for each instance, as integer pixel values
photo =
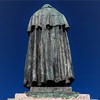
(48, 59)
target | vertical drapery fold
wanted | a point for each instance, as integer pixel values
(48, 57)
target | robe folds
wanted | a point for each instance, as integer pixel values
(48, 55)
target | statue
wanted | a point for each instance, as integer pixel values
(48, 59)
(48, 69)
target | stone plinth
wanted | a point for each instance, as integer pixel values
(23, 96)
(51, 93)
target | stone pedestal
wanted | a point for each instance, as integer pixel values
(23, 96)
(51, 93)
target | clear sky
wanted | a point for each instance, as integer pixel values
(84, 36)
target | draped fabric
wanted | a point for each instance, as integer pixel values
(47, 16)
(48, 55)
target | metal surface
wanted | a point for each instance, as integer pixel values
(52, 92)
(48, 59)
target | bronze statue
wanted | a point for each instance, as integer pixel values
(48, 59)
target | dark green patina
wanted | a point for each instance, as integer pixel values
(48, 67)
(52, 92)
(48, 56)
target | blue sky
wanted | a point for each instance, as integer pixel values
(84, 37)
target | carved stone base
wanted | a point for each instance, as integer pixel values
(51, 93)
(23, 96)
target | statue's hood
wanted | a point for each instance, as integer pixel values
(46, 6)
(47, 15)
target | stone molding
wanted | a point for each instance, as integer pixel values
(23, 96)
